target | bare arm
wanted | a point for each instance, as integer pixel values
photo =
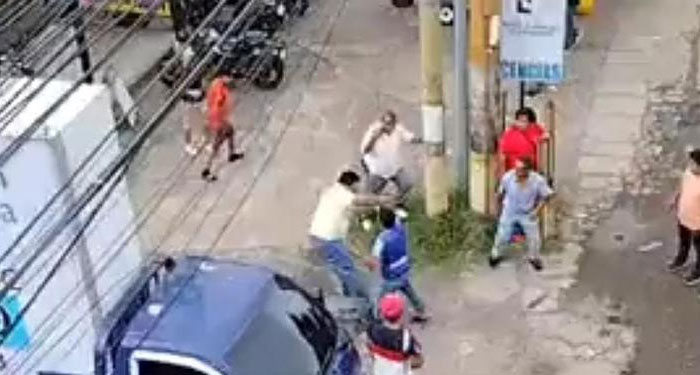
(369, 146)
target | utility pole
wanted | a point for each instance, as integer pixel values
(479, 76)
(436, 193)
(461, 128)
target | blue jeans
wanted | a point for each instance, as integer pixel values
(505, 232)
(337, 257)
(404, 287)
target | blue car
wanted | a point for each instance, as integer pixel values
(204, 316)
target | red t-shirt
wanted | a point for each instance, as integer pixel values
(218, 104)
(516, 143)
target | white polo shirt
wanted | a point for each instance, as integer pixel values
(385, 158)
(331, 220)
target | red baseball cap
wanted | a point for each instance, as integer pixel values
(391, 306)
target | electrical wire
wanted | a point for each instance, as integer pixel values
(15, 111)
(237, 209)
(96, 150)
(49, 40)
(16, 15)
(127, 240)
(64, 255)
(48, 17)
(26, 134)
(120, 161)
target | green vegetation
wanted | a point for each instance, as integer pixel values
(453, 238)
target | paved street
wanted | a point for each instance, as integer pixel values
(350, 60)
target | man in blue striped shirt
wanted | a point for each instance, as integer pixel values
(390, 252)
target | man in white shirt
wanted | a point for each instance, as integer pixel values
(330, 224)
(381, 154)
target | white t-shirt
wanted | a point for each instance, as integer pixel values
(331, 220)
(385, 158)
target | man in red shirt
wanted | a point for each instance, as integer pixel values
(521, 140)
(219, 105)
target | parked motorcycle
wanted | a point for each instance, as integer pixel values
(253, 55)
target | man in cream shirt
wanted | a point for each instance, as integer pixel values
(330, 224)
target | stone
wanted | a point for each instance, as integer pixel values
(465, 348)
(650, 247)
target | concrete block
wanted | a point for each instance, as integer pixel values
(631, 88)
(590, 368)
(627, 57)
(624, 74)
(614, 128)
(591, 146)
(594, 182)
(619, 104)
(601, 165)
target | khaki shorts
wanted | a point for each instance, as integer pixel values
(193, 120)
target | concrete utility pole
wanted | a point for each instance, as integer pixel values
(436, 183)
(461, 128)
(479, 76)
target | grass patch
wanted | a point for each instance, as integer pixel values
(452, 238)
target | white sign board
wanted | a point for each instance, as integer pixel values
(532, 40)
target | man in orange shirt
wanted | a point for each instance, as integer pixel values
(219, 105)
(687, 202)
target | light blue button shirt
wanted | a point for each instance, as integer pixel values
(520, 199)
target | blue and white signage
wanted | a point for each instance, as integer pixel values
(532, 40)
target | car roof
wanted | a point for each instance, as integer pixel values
(202, 310)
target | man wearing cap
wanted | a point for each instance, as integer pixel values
(330, 224)
(393, 349)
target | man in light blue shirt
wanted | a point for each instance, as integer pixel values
(522, 194)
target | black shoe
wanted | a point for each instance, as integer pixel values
(208, 176)
(235, 156)
(675, 266)
(421, 318)
(692, 279)
(495, 261)
(536, 264)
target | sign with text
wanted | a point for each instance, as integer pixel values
(532, 40)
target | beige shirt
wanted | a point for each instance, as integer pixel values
(331, 220)
(689, 201)
(385, 158)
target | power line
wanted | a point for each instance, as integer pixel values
(26, 134)
(64, 255)
(96, 150)
(127, 240)
(120, 161)
(15, 111)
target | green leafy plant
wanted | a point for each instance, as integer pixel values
(451, 238)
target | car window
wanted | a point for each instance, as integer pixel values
(290, 336)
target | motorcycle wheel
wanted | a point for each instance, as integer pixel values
(303, 7)
(271, 77)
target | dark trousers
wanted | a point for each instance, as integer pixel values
(571, 31)
(686, 238)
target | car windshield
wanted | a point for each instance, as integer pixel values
(292, 335)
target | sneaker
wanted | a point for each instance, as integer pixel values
(367, 225)
(577, 37)
(208, 176)
(235, 157)
(692, 279)
(495, 261)
(536, 264)
(190, 150)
